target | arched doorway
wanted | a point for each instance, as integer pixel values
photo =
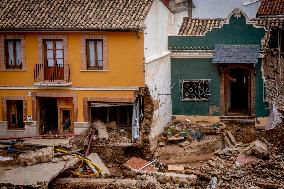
(237, 93)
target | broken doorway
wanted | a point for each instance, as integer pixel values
(120, 113)
(15, 114)
(121, 119)
(238, 91)
(48, 115)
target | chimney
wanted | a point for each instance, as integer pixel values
(190, 8)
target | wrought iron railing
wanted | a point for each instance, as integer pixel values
(60, 72)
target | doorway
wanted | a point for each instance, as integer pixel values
(15, 114)
(48, 116)
(237, 91)
(54, 61)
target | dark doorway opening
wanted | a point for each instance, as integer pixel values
(15, 114)
(121, 114)
(48, 115)
(238, 91)
(66, 120)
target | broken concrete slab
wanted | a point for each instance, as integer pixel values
(38, 175)
(232, 138)
(94, 157)
(228, 143)
(47, 142)
(256, 148)
(140, 165)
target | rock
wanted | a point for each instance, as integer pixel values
(161, 144)
(150, 182)
(257, 148)
(55, 160)
(184, 144)
(213, 183)
(192, 179)
(39, 156)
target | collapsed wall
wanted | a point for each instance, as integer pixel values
(145, 130)
(273, 69)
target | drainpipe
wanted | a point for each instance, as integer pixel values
(190, 8)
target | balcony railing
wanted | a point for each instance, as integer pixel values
(59, 74)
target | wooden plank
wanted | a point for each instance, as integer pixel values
(232, 138)
(227, 142)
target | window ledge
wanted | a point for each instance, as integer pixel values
(53, 84)
(94, 70)
(13, 70)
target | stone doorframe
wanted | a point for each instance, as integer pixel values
(252, 74)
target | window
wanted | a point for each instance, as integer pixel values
(13, 56)
(15, 114)
(54, 53)
(195, 90)
(94, 50)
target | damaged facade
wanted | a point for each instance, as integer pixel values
(272, 15)
(70, 63)
(216, 68)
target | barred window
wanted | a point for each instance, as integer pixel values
(195, 90)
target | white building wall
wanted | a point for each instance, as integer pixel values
(159, 24)
(178, 18)
(222, 8)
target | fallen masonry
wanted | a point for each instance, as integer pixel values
(187, 156)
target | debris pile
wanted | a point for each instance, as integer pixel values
(180, 131)
(39, 156)
(99, 133)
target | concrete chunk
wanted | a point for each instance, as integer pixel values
(102, 131)
(38, 175)
(232, 138)
(257, 148)
(94, 157)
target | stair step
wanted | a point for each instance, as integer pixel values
(240, 119)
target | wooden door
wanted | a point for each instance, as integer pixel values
(54, 61)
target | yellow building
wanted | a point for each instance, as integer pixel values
(66, 63)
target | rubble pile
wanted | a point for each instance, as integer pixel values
(178, 130)
(39, 156)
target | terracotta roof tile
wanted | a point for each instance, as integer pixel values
(267, 23)
(271, 8)
(198, 27)
(73, 14)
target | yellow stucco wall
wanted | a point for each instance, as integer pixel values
(125, 61)
(79, 94)
(125, 69)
